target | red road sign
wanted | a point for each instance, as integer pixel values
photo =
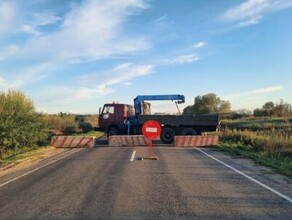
(151, 129)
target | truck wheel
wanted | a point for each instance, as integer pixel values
(167, 135)
(188, 131)
(112, 131)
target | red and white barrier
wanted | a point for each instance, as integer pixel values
(195, 141)
(123, 140)
(72, 141)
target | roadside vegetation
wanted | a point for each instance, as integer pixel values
(266, 140)
(23, 130)
(264, 135)
(259, 124)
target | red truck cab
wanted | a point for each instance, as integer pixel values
(113, 117)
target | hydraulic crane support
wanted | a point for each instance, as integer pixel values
(140, 98)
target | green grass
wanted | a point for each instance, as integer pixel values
(268, 141)
(14, 156)
(258, 124)
(91, 134)
(280, 164)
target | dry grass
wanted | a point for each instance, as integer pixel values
(267, 140)
(274, 142)
(23, 160)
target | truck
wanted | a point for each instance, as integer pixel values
(126, 119)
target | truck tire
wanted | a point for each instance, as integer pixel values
(188, 131)
(112, 131)
(167, 135)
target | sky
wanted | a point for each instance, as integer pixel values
(75, 55)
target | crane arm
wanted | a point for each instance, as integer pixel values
(140, 98)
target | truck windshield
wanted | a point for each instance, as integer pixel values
(108, 110)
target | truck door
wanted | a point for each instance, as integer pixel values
(107, 116)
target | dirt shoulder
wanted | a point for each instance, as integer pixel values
(33, 157)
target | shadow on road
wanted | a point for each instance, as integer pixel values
(103, 142)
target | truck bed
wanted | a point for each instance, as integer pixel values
(182, 120)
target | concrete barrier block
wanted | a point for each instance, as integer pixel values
(196, 141)
(72, 142)
(127, 140)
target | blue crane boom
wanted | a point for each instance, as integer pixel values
(141, 98)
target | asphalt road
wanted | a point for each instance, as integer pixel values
(102, 183)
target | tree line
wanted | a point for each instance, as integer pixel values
(282, 109)
(212, 104)
(208, 104)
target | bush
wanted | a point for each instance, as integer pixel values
(20, 125)
(275, 142)
(85, 127)
(59, 124)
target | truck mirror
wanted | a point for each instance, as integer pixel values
(99, 111)
(105, 116)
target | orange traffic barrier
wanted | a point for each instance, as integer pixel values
(72, 142)
(195, 141)
(127, 140)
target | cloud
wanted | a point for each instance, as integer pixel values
(68, 95)
(90, 31)
(126, 72)
(27, 75)
(254, 92)
(199, 45)
(93, 85)
(182, 59)
(252, 12)
(30, 30)
(122, 73)
(7, 17)
(183, 56)
(7, 51)
(46, 18)
(127, 83)
(36, 20)
(161, 20)
(16, 20)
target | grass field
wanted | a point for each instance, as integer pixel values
(266, 140)
(258, 124)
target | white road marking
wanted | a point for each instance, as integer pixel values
(29, 172)
(248, 177)
(133, 156)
